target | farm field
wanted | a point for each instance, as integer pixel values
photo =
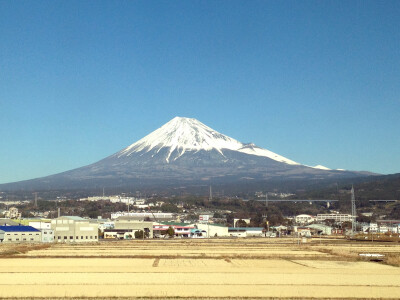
(199, 269)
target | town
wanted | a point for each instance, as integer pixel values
(24, 221)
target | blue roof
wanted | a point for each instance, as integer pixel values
(19, 228)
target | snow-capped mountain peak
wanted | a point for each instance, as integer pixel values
(183, 134)
(187, 134)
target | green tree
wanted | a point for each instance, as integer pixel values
(139, 234)
(346, 225)
(241, 223)
(170, 232)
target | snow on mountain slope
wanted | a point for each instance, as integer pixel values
(321, 167)
(255, 150)
(186, 134)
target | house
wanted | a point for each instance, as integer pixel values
(73, 229)
(180, 229)
(13, 213)
(19, 234)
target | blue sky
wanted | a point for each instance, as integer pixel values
(315, 81)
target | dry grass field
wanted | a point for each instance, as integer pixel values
(200, 269)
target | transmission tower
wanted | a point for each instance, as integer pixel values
(353, 211)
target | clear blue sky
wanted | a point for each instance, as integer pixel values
(315, 81)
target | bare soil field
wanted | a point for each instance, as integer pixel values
(199, 269)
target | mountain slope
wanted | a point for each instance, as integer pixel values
(183, 151)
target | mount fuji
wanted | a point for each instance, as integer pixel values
(183, 152)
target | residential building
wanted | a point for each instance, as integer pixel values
(13, 213)
(180, 229)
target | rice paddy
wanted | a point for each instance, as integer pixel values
(199, 269)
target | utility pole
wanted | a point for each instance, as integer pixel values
(210, 193)
(353, 211)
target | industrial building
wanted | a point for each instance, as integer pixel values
(336, 217)
(132, 226)
(45, 229)
(246, 231)
(69, 229)
(19, 234)
(213, 230)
